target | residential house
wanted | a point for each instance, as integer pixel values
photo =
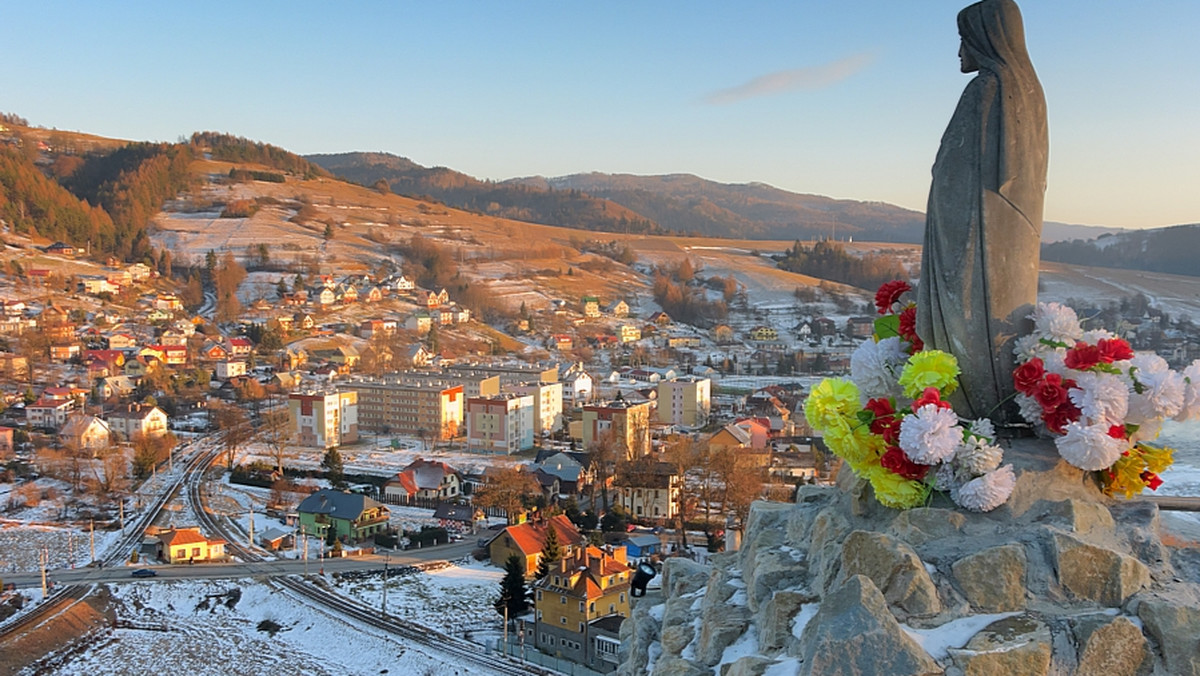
(419, 321)
(577, 383)
(62, 249)
(85, 432)
(49, 413)
(618, 309)
(661, 319)
(213, 351)
(628, 333)
(649, 490)
(722, 334)
(423, 479)
(115, 386)
(590, 306)
(168, 302)
(97, 284)
(547, 405)
(121, 341)
(6, 438)
(240, 347)
(227, 369)
(580, 604)
(560, 341)
(171, 355)
(527, 540)
(188, 545)
(138, 420)
(303, 321)
(65, 353)
(640, 545)
(14, 308)
(417, 356)
(763, 334)
(572, 474)
(352, 516)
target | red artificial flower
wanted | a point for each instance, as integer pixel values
(896, 461)
(1114, 349)
(1027, 376)
(1056, 420)
(889, 294)
(1152, 480)
(886, 423)
(908, 328)
(1117, 432)
(1082, 357)
(931, 395)
(1050, 392)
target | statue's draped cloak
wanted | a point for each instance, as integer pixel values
(983, 223)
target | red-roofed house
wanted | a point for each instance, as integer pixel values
(580, 603)
(180, 545)
(526, 540)
(427, 479)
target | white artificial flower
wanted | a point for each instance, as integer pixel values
(1191, 393)
(875, 368)
(931, 436)
(944, 478)
(1089, 447)
(1147, 431)
(1161, 397)
(1027, 347)
(1056, 322)
(983, 428)
(1094, 336)
(1029, 408)
(1148, 362)
(976, 456)
(988, 491)
(1100, 397)
(1054, 361)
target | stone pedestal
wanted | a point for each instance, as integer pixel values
(1061, 579)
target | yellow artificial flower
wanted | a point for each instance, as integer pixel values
(831, 400)
(855, 443)
(896, 492)
(1157, 459)
(1125, 476)
(929, 368)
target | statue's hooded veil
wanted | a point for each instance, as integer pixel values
(984, 218)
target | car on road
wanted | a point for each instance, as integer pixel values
(144, 572)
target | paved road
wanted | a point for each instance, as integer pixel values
(121, 574)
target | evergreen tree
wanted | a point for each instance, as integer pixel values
(513, 594)
(551, 553)
(332, 464)
(281, 288)
(328, 231)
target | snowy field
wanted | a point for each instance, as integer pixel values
(246, 628)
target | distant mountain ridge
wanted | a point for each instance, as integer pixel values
(1171, 249)
(681, 203)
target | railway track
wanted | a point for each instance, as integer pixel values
(302, 587)
(54, 605)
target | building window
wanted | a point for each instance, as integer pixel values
(539, 596)
(622, 597)
(562, 600)
(562, 620)
(581, 606)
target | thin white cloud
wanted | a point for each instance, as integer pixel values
(815, 77)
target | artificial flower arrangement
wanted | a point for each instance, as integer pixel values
(1102, 402)
(891, 423)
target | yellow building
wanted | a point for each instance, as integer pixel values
(323, 419)
(686, 400)
(188, 545)
(526, 541)
(584, 588)
(627, 424)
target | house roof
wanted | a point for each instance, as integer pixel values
(464, 513)
(181, 536)
(78, 424)
(337, 504)
(530, 537)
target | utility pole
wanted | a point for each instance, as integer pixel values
(252, 524)
(386, 559)
(43, 559)
(121, 509)
(92, 537)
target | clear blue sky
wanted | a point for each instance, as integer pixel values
(846, 99)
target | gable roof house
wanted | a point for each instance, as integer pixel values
(352, 516)
(423, 479)
(85, 432)
(179, 545)
(138, 420)
(526, 540)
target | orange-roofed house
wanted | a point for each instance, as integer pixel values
(526, 540)
(188, 545)
(580, 605)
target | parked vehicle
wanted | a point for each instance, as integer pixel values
(144, 572)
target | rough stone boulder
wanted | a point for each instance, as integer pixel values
(1014, 645)
(993, 580)
(1095, 573)
(1110, 647)
(894, 568)
(1173, 621)
(854, 634)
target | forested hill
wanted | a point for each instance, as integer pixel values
(535, 204)
(1172, 250)
(687, 203)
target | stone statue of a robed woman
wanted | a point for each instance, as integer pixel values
(983, 224)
